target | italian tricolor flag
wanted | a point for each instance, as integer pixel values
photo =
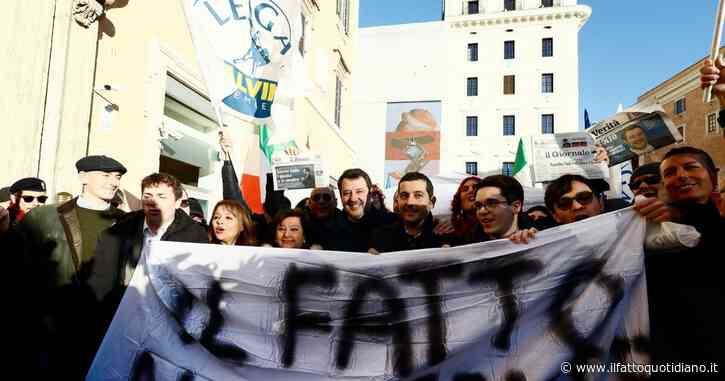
(522, 170)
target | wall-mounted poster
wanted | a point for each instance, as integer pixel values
(412, 139)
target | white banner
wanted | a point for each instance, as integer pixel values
(491, 311)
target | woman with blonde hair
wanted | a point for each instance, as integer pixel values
(232, 225)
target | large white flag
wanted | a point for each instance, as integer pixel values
(490, 311)
(248, 52)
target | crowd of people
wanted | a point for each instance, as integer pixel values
(76, 257)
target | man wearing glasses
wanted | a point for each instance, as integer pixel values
(25, 195)
(321, 208)
(646, 180)
(498, 205)
(573, 198)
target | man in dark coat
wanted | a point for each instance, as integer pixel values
(351, 230)
(685, 289)
(119, 247)
(59, 242)
(414, 227)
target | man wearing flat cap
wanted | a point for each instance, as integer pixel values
(25, 195)
(60, 242)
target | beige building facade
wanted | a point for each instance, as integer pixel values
(681, 98)
(128, 85)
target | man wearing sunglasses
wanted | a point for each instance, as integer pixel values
(320, 209)
(646, 180)
(573, 198)
(25, 195)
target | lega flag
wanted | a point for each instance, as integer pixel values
(575, 296)
(248, 51)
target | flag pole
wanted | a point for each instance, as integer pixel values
(715, 48)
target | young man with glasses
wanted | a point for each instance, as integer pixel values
(498, 206)
(25, 195)
(573, 198)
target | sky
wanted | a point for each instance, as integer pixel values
(625, 49)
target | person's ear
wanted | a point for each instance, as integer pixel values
(178, 203)
(516, 206)
(433, 202)
(83, 177)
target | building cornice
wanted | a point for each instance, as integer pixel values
(579, 13)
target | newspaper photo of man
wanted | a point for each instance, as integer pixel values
(636, 139)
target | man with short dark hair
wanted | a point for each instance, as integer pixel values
(645, 180)
(120, 247)
(685, 288)
(573, 198)
(414, 228)
(635, 137)
(351, 230)
(498, 203)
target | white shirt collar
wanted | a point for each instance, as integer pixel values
(159, 232)
(92, 205)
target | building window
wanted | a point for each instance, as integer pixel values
(509, 5)
(509, 125)
(547, 83)
(472, 168)
(547, 123)
(682, 130)
(547, 47)
(711, 123)
(509, 50)
(507, 168)
(472, 7)
(471, 126)
(547, 3)
(509, 84)
(473, 52)
(472, 86)
(680, 106)
(338, 101)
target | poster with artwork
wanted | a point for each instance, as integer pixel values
(412, 139)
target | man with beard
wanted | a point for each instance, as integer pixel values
(646, 180)
(573, 198)
(685, 288)
(350, 230)
(414, 228)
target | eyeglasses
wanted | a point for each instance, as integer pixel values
(489, 204)
(185, 203)
(41, 199)
(322, 197)
(583, 198)
(651, 180)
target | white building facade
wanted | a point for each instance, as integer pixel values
(501, 69)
